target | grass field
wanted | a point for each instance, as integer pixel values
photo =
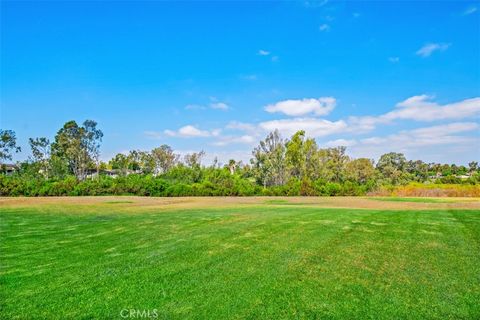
(239, 258)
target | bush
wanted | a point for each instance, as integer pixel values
(219, 182)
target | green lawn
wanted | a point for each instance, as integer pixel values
(265, 262)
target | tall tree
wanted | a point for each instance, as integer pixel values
(120, 162)
(301, 156)
(194, 160)
(92, 139)
(78, 146)
(41, 153)
(360, 170)
(8, 144)
(295, 155)
(269, 160)
(472, 166)
(392, 166)
(165, 158)
(336, 162)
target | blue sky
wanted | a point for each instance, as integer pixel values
(375, 76)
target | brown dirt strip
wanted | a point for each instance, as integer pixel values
(132, 203)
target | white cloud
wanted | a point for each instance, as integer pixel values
(470, 11)
(215, 104)
(319, 107)
(430, 48)
(190, 131)
(341, 142)
(324, 27)
(363, 124)
(428, 136)
(313, 127)
(419, 108)
(275, 58)
(445, 129)
(228, 140)
(242, 126)
(434, 135)
(394, 59)
(263, 52)
(419, 143)
(219, 105)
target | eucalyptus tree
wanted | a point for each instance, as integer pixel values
(268, 160)
(41, 150)
(78, 146)
(194, 160)
(8, 145)
(473, 166)
(91, 140)
(164, 158)
(301, 156)
(121, 163)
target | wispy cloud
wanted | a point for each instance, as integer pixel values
(319, 107)
(429, 48)
(470, 10)
(214, 104)
(324, 27)
(315, 3)
(242, 126)
(394, 59)
(219, 105)
(265, 53)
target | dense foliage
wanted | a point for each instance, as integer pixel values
(71, 165)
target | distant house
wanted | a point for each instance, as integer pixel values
(114, 173)
(92, 173)
(8, 169)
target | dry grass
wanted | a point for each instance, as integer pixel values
(136, 204)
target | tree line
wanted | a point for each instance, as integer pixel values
(71, 165)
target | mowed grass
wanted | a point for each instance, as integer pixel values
(259, 262)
